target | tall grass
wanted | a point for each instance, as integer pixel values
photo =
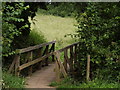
(11, 81)
(55, 28)
(36, 38)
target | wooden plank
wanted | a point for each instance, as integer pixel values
(57, 70)
(33, 47)
(30, 59)
(13, 63)
(35, 61)
(62, 69)
(17, 72)
(88, 69)
(61, 50)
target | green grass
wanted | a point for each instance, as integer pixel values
(11, 81)
(97, 83)
(55, 28)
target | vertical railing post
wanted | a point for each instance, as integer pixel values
(46, 52)
(17, 64)
(75, 54)
(53, 57)
(88, 69)
(71, 59)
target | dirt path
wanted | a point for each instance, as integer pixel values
(42, 78)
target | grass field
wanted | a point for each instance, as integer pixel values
(55, 28)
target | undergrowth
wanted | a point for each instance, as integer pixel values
(96, 83)
(11, 81)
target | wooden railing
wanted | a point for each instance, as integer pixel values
(70, 59)
(17, 66)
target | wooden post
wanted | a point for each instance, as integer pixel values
(60, 65)
(71, 59)
(65, 59)
(13, 64)
(46, 52)
(53, 57)
(17, 64)
(30, 59)
(88, 69)
(75, 54)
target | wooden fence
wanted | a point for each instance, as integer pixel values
(70, 59)
(70, 56)
(16, 65)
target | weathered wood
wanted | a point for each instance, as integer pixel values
(62, 69)
(13, 64)
(30, 59)
(65, 59)
(71, 59)
(53, 48)
(88, 69)
(17, 63)
(33, 47)
(46, 52)
(57, 70)
(61, 50)
(35, 61)
(75, 55)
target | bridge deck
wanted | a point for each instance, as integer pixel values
(42, 78)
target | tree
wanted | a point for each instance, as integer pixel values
(98, 32)
(15, 24)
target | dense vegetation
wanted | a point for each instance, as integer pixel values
(98, 32)
(59, 9)
(16, 33)
(97, 29)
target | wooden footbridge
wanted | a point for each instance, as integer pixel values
(41, 56)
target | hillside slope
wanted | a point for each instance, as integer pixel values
(55, 28)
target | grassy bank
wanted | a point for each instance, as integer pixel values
(55, 28)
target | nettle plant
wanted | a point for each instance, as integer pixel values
(98, 32)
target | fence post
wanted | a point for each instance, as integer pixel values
(75, 54)
(53, 57)
(46, 52)
(88, 69)
(71, 59)
(17, 64)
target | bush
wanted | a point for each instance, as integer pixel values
(98, 30)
